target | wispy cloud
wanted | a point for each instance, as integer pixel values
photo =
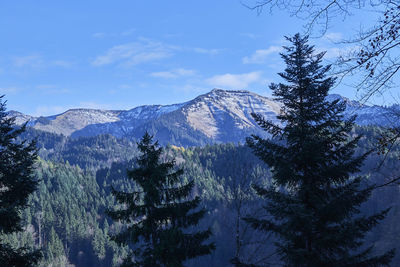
(135, 53)
(99, 35)
(333, 36)
(249, 35)
(235, 81)
(335, 52)
(125, 86)
(205, 51)
(52, 89)
(172, 35)
(128, 32)
(37, 61)
(9, 90)
(61, 63)
(261, 56)
(46, 86)
(34, 61)
(144, 50)
(175, 73)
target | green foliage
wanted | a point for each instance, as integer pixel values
(314, 204)
(72, 198)
(16, 184)
(156, 215)
(68, 208)
(89, 153)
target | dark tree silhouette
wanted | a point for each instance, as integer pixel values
(314, 202)
(156, 216)
(16, 184)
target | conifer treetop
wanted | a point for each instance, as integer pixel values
(159, 213)
(314, 202)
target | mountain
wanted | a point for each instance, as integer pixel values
(219, 116)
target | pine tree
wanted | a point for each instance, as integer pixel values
(157, 215)
(314, 202)
(16, 184)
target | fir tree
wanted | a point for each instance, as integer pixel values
(16, 184)
(314, 202)
(157, 215)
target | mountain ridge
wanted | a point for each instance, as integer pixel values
(218, 116)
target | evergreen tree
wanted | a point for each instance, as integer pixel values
(157, 215)
(16, 184)
(314, 203)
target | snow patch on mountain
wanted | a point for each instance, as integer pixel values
(20, 118)
(369, 115)
(148, 112)
(209, 111)
(75, 119)
(218, 116)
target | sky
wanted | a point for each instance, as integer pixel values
(57, 55)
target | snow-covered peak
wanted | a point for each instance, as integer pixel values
(208, 112)
(20, 118)
(75, 119)
(349, 102)
(149, 112)
(220, 115)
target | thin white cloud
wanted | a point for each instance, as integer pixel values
(38, 61)
(128, 32)
(249, 35)
(99, 35)
(235, 81)
(205, 51)
(9, 90)
(175, 73)
(333, 36)
(125, 86)
(58, 91)
(144, 50)
(335, 52)
(34, 61)
(172, 35)
(61, 63)
(46, 86)
(134, 53)
(52, 89)
(261, 56)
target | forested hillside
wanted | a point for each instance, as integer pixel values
(66, 217)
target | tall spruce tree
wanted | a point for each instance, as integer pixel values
(157, 215)
(314, 202)
(16, 184)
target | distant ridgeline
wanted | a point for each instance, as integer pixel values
(219, 116)
(83, 152)
(67, 219)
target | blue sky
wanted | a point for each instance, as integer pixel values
(56, 55)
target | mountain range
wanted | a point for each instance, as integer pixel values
(219, 116)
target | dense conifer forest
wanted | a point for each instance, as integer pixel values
(66, 215)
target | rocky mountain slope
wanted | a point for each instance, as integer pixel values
(218, 116)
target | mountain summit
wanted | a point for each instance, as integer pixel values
(217, 116)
